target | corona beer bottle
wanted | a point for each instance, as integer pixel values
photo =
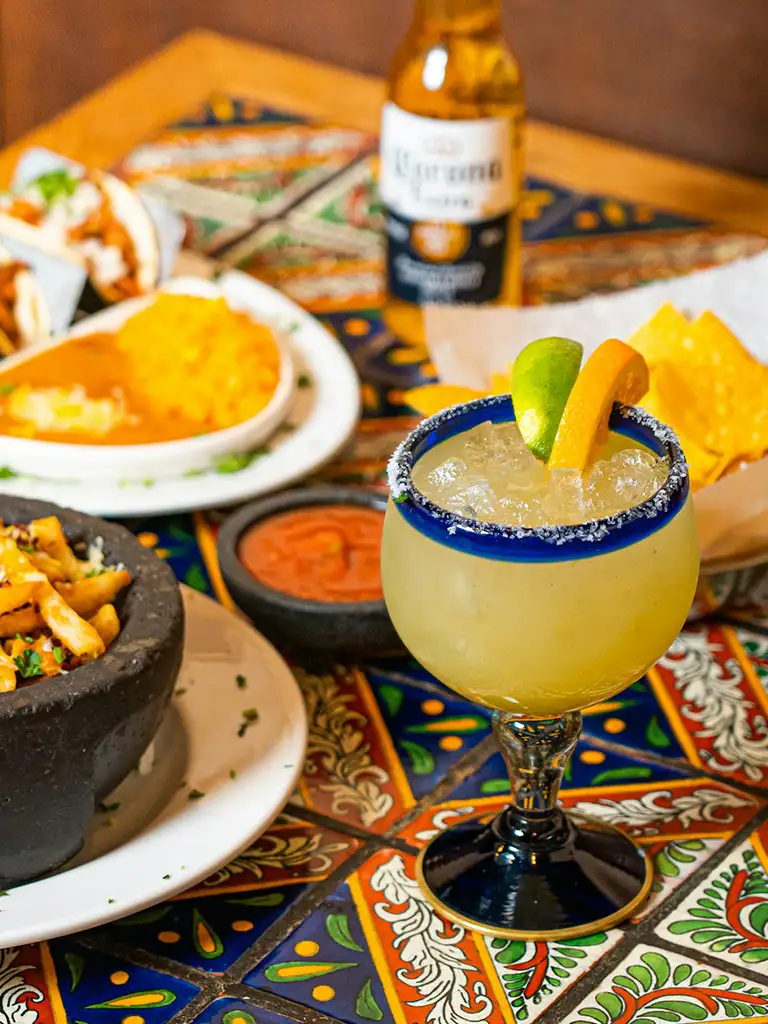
(451, 164)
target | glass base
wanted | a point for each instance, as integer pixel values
(535, 877)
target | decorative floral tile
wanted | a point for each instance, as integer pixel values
(756, 646)
(716, 703)
(606, 215)
(590, 766)
(328, 964)
(222, 111)
(634, 718)
(726, 915)
(653, 985)
(364, 460)
(212, 925)
(387, 366)
(235, 1011)
(353, 771)
(378, 927)
(60, 981)
(398, 960)
(376, 745)
(671, 808)
(588, 260)
(173, 539)
(430, 732)
(536, 974)
(680, 821)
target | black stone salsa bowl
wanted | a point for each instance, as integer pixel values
(66, 742)
(320, 630)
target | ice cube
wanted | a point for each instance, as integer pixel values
(477, 500)
(445, 476)
(517, 511)
(635, 475)
(499, 451)
(626, 479)
(565, 501)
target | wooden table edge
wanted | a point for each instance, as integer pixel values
(133, 107)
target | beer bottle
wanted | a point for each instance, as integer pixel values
(451, 164)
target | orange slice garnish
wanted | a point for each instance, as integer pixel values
(614, 372)
(431, 398)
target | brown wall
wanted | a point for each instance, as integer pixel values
(687, 77)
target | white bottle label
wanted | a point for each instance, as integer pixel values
(449, 192)
(457, 171)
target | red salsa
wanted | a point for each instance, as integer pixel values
(322, 553)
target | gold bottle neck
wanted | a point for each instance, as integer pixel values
(462, 17)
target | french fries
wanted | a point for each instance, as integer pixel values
(16, 595)
(50, 539)
(106, 623)
(26, 620)
(56, 610)
(87, 596)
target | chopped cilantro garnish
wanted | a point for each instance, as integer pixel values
(110, 900)
(241, 681)
(304, 380)
(94, 572)
(166, 877)
(57, 184)
(195, 794)
(28, 663)
(6, 473)
(232, 773)
(250, 715)
(109, 808)
(59, 655)
(234, 463)
(6, 389)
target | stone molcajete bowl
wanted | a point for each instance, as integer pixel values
(66, 742)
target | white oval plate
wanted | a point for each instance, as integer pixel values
(60, 460)
(321, 421)
(160, 842)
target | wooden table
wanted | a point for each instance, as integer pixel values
(135, 104)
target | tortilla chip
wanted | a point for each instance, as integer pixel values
(708, 388)
(432, 398)
(664, 332)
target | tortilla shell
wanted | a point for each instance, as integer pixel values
(30, 309)
(130, 211)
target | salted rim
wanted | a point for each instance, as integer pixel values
(402, 488)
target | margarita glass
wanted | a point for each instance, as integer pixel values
(537, 623)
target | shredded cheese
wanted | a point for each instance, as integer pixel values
(197, 358)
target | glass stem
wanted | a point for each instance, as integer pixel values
(536, 753)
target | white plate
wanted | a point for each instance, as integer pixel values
(323, 418)
(94, 462)
(159, 842)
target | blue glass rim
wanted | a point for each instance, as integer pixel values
(543, 543)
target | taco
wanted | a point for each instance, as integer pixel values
(98, 218)
(24, 314)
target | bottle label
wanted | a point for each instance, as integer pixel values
(448, 188)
